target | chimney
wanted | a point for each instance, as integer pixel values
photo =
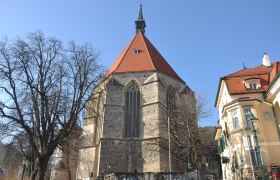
(265, 60)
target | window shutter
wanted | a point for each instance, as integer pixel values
(223, 142)
(219, 147)
(225, 137)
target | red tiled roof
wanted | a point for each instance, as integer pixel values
(252, 71)
(148, 59)
(235, 81)
(236, 85)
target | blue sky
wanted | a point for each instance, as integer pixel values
(201, 39)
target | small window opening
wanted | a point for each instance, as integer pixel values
(253, 86)
(91, 175)
(136, 51)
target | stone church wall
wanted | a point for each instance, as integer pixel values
(115, 95)
(92, 132)
(113, 122)
(118, 155)
(124, 78)
(150, 121)
(111, 152)
(150, 93)
(186, 97)
(86, 163)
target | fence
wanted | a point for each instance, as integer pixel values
(191, 175)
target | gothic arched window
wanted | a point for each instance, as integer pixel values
(132, 110)
(171, 101)
(171, 107)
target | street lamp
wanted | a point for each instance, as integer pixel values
(252, 118)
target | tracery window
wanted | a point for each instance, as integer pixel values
(132, 110)
(171, 106)
(170, 101)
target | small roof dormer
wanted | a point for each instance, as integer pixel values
(252, 83)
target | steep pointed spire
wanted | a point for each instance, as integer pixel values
(140, 17)
(140, 22)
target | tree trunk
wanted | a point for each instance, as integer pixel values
(68, 167)
(34, 173)
(41, 175)
(42, 168)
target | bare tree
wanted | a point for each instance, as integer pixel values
(44, 88)
(183, 127)
(11, 161)
(69, 153)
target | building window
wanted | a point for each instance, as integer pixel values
(252, 149)
(235, 120)
(206, 161)
(132, 110)
(171, 106)
(91, 175)
(136, 51)
(247, 112)
(253, 86)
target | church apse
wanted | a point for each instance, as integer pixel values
(127, 132)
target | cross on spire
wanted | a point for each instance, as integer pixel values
(140, 22)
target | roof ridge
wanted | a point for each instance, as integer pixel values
(148, 58)
(148, 50)
(241, 70)
(252, 68)
(130, 43)
(123, 55)
(165, 61)
(246, 75)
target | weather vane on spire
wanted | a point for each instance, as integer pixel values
(140, 22)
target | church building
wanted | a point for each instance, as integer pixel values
(124, 127)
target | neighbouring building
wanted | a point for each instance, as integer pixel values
(250, 91)
(66, 157)
(208, 159)
(124, 128)
(208, 162)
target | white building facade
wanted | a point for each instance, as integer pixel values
(241, 94)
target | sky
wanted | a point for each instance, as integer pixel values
(202, 40)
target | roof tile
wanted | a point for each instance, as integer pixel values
(147, 59)
(235, 81)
